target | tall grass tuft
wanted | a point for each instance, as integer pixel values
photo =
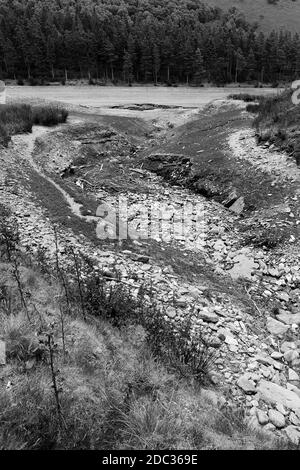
(49, 115)
(19, 118)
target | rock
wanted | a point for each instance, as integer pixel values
(2, 353)
(273, 272)
(276, 355)
(268, 361)
(287, 346)
(273, 394)
(208, 316)
(275, 327)
(291, 356)
(289, 318)
(219, 245)
(293, 376)
(293, 434)
(294, 419)
(262, 417)
(171, 312)
(281, 409)
(269, 428)
(232, 197)
(238, 206)
(293, 388)
(277, 419)
(283, 296)
(231, 341)
(142, 259)
(181, 302)
(248, 386)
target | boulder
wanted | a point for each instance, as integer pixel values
(275, 327)
(273, 394)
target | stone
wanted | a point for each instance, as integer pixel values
(289, 318)
(268, 361)
(208, 316)
(293, 388)
(283, 296)
(291, 355)
(276, 355)
(277, 419)
(238, 206)
(171, 312)
(273, 272)
(273, 393)
(2, 353)
(248, 386)
(275, 327)
(231, 341)
(294, 419)
(281, 409)
(293, 434)
(182, 302)
(262, 417)
(287, 346)
(293, 376)
(269, 427)
(219, 245)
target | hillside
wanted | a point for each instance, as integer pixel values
(284, 14)
(167, 43)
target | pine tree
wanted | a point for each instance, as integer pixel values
(199, 71)
(127, 68)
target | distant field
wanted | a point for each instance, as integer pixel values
(284, 15)
(110, 96)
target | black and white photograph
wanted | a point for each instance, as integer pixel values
(149, 228)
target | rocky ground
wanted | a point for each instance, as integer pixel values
(245, 295)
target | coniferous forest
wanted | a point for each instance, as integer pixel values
(175, 41)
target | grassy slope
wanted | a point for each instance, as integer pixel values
(114, 393)
(284, 15)
(278, 122)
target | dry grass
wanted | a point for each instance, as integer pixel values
(277, 122)
(17, 119)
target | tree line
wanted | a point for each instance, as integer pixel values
(140, 40)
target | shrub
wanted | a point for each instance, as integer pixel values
(252, 108)
(245, 97)
(49, 115)
(16, 118)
